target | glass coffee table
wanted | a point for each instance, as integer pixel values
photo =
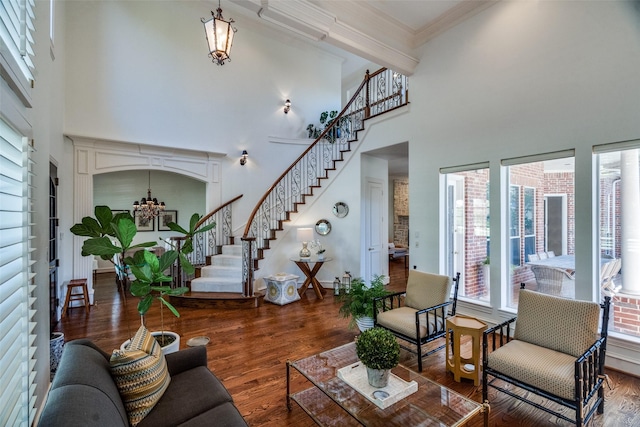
(332, 402)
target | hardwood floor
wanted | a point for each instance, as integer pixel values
(249, 348)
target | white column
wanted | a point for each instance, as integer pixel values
(630, 217)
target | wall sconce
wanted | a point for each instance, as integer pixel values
(287, 106)
(244, 157)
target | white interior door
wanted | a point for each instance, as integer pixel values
(375, 246)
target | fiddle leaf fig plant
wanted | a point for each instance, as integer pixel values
(111, 235)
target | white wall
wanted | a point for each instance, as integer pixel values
(520, 78)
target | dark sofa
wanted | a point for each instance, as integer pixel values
(84, 394)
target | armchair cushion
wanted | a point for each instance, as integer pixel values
(426, 290)
(542, 320)
(540, 367)
(403, 320)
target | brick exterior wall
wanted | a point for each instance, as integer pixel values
(476, 232)
(401, 212)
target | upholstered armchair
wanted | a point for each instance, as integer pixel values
(418, 314)
(556, 352)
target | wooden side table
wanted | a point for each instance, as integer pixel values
(304, 266)
(460, 366)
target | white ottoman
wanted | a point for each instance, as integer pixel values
(282, 288)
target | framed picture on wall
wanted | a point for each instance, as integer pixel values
(117, 211)
(165, 218)
(145, 224)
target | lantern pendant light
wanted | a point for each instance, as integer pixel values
(219, 35)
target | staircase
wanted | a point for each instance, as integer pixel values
(380, 92)
(227, 279)
(223, 272)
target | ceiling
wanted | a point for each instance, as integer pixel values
(383, 32)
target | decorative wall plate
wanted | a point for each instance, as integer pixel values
(323, 227)
(340, 209)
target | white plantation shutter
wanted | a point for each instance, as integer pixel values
(17, 313)
(16, 35)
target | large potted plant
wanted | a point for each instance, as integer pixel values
(358, 302)
(112, 235)
(379, 351)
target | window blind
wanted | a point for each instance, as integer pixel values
(17, 285)
(16, 45)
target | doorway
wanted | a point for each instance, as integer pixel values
(53, 247)
(555, 223)
(374, 242)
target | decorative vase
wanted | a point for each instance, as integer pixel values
(378, 378)
(364, 323)
(56, 345)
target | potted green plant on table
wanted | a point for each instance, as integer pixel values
(358, 302)
(111, 236)
(379, 351)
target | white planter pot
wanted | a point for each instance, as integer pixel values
(56, 345)
(485, 275)
(171, 348)
(364, 323)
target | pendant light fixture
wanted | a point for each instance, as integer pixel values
(219, 35)
(148, 207)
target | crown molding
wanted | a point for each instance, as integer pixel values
(315, 23)
(449, 19)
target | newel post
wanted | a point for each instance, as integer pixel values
(367, 106)
(247, 266)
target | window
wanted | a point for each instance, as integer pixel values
(541, 225)
(17, 311)
(619, 213)
(466, 217)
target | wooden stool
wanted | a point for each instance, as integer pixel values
(464, 367)
(71, 296)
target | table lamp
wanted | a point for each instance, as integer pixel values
(305, 235)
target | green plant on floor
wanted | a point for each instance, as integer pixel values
(358, 302)
(112, 235)
(377, 348)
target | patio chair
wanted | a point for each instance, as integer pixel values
(608, 271)
(550, 280)
(418, 314)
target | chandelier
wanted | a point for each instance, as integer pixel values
(148, 207)
(219, 35)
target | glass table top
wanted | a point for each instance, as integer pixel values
(431, 405)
